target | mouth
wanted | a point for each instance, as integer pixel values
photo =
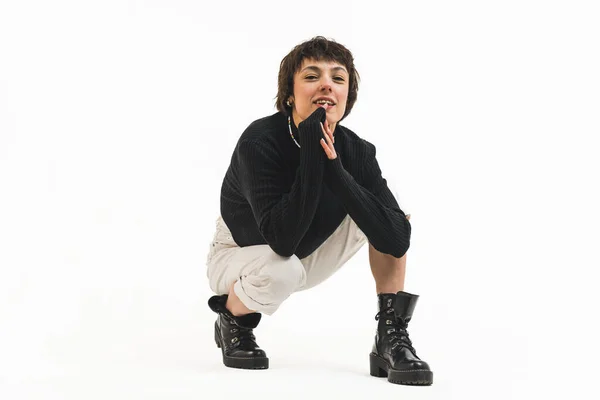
(325, 103)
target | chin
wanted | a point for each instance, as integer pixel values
(333, 119)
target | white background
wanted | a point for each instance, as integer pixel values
(117, 122)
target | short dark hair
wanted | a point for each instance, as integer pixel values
(320, 49)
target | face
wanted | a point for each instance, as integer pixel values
(320, 84)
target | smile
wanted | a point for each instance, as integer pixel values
(331, 103)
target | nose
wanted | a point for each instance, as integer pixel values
(326, 84)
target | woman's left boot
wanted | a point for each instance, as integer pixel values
(393, 354)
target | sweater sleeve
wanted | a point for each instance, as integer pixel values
(372, 206)
(283, 214)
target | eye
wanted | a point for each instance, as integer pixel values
(339, 78)
(311, 77)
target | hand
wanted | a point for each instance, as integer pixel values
(311, 123)
(328, 142)
(408, 217)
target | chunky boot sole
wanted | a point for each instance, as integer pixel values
(241, 362)
(417, 377)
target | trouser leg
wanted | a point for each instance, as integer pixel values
(263, 279)
(340, 247)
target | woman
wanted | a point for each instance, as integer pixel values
(301, 196)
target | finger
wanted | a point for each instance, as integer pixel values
(331, 133)
(323, 129)
(408, 217)
(330, 143)
(329, 151)
(326, 148)
(328, 132)
(328, 138)
(327, 135)
(327, 143)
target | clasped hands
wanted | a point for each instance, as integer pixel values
(328, 141)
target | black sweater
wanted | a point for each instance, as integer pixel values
(294, 198)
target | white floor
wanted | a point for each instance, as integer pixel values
(146, 344)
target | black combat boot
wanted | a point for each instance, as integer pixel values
(393, 354)
(235, 338)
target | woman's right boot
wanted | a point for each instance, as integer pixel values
(235, 337)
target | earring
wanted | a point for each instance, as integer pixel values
(288, 103)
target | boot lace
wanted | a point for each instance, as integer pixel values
(396, 332)
(242, 335)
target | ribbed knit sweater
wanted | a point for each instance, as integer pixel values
(294, 198)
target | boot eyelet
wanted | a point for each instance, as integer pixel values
(388, 322)
(235, 339)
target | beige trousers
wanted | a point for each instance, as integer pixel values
(263, 279)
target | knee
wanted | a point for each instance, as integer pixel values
(283, 276)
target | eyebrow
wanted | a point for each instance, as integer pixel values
(317, 69)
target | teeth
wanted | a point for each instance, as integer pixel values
(324, 102)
